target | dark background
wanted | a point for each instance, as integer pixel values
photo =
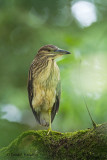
(77, 26)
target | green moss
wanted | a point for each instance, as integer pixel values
(86, 144)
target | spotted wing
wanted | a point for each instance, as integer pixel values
(30, 94)
(57, 101)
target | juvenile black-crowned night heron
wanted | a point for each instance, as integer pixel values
(44, 86)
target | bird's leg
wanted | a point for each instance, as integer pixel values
(49, 129)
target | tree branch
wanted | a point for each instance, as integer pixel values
(89, 144)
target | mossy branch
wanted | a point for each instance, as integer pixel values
(89, 144)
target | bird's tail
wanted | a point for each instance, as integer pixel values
(44, 118)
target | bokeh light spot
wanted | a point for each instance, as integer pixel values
(84, 12)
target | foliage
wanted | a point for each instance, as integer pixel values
(9, 131)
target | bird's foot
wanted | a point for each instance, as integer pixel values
(49, 130)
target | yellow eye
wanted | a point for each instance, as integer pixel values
(48, 50)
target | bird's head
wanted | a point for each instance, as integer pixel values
(51, 51)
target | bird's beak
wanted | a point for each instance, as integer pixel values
(61, 52)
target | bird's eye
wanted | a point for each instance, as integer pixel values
(48, 50)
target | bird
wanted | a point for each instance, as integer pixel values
(44, 84)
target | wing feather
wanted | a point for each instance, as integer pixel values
(30, 94)
(57, 101)
(30, 87)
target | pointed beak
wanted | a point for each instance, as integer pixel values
(61, 52)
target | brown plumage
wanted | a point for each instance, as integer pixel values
(44, 84)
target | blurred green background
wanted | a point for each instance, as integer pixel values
(77, 26)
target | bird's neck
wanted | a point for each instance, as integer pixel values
(42, 63)
(45, 68)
